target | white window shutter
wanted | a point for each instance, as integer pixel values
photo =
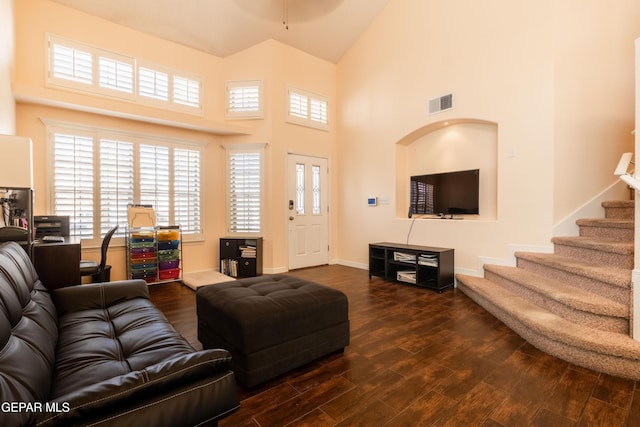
(187, 190)
(244, 99)
(115, 75)
(245, 191)
(73, 187)
(96, 177)
(116, 183)
(186, 91)
(153, 84)
(154, 180)
(318, 111)
(298, 105)
(72, 64)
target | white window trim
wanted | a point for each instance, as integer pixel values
(245, 148)
(243, 115)
(306, 120)
(98, 132)
(95, 89)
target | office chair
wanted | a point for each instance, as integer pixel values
(99, 272)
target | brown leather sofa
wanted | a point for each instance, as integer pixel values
(100, 354)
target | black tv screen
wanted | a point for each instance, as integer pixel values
(448, 193)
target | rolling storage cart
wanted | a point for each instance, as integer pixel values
(154, 253)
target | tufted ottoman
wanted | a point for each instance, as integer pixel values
(272, 323)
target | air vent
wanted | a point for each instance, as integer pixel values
(441, 103)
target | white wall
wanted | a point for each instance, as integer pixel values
(7, 103)
(505, 62)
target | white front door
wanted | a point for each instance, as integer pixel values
(307, 213)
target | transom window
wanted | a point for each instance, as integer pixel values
(306, 108)
(244, 99)
(96, 173)
(77, 66)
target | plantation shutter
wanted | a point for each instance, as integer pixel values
(153, 84)
(186, 91)
(116, 75)
(187, 189)
(73, 182)
(154, 180)
(318, 111)
(243, 99)
(72, 64)
(116, 183)
(245, 188)
(298, 105)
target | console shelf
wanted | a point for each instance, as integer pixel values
(423, 266)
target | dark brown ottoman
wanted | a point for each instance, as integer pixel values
(271, 324)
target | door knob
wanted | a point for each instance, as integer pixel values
(291, 218)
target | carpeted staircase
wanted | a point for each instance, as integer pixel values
(574, 303)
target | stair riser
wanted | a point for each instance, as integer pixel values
(593, 320)
(619, 213)
(619, 234)
(590, 284)
(595, 256)
(612, 365)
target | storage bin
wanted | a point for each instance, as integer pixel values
(168, 265)
(168, 254)
(143, 250)
(170, 244)
(147, 277)
(138, 245)
(164, 235)
(143, 263)
(173, 273)
(142, 234)
(143, 255)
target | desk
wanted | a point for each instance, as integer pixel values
(58, 263)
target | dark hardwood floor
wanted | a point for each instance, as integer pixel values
(419, 358)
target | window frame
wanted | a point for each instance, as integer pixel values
(136, 64)
(137, 139)
(243, 115)
(231, 149)
(305, 116)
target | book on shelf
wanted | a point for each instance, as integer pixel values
(248, 251)
(229, 267)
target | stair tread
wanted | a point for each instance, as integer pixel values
(606, 222)
(568, 295)
(551, 325)
(605, 245)
(616, 276)
(618, 204)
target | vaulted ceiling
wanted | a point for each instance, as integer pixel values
(323, 28)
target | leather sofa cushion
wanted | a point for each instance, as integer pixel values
(114, 395)
(28, 330)
(116, 331)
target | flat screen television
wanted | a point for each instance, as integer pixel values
(448, 193)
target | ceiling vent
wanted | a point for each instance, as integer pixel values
(441, 103)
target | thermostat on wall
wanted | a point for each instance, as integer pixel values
(372, 201)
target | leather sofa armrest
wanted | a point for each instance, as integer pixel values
(164, 381)
(97, 295)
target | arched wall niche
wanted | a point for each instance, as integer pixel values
(445, 146)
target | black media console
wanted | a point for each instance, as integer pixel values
(422, 266)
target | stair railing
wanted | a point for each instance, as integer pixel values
(628, 177)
